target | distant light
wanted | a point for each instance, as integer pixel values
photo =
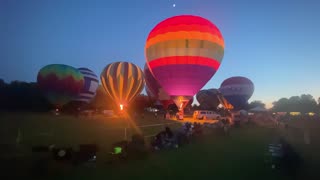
(295, 113)
(121, 107)
(57, 112)
(174, 5)
(311, 113)
(62, 153)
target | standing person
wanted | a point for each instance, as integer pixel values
(170, 138)
(159, 140)
(167, 115)
(156, 115)
(180, 116)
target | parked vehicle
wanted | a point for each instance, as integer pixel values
(206, 114)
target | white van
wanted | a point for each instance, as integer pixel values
(205, 114)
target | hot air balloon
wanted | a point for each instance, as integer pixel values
(122, 81)
(183, 53)
(60, 83)
(208, 99)
(150, 94)
(152, 86)
(237, 90)
(91, 84)
(190, 101)
(154, 90)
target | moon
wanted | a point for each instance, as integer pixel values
(174, 5)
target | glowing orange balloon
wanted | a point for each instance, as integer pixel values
(122, 81)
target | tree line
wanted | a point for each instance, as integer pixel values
(23, 96)
(304, 103)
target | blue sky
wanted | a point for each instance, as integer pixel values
(275, 43)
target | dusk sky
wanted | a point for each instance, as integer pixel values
(275, 43)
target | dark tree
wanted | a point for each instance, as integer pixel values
(308, 104)
(304, 104)
(282, 105)
(22, 96)
(254, 104)
(101, 101)
(140, 103)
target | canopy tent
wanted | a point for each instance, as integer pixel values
(258, 109)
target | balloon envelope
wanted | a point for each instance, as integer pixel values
(154, 90)
(122, 81)
(60, 83)
(90, 86)
(150, 94)
(183, 53)
(208, 98)
(237, 90)
(152, 86)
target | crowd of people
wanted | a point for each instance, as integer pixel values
(166, 139)
(169, 138)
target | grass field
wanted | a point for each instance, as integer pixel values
(238, 156)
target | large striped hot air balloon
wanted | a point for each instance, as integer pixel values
(60, 83)
(122, 81)
(91, 84)
(237, 90)
(183, 53)
(154, 90)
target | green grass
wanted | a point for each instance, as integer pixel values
(238, 156)
(62, 130)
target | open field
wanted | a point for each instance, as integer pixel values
(238, 156)
(62, 130)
